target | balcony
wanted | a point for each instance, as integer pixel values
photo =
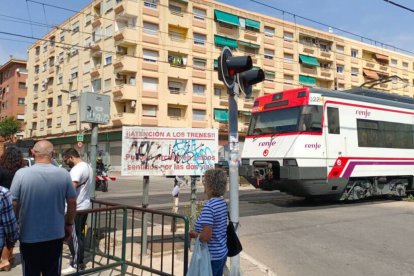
(51, 70)
(125, 92)
(95, 47)
(50, 90)
(126, 8)
(49, 111)
(126, 64)
(122, 119)
(179, 18)
(97, 21)
(34, 115)
(95, 71)
(127, 36)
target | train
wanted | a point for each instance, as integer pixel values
(346, 145)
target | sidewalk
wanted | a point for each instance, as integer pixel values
(248, 266)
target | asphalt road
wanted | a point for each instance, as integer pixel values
(292, 236)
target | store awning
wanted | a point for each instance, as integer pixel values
(371, 74)
(253, 24)
(215, 64)
(308, 60)
(382, 58)
(249, 44)
(306, 80)
(227, 18)
(224, 41)
(221, 115)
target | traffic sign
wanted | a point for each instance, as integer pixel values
(80, 144)
(79, 137)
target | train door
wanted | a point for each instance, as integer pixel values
(334, 137)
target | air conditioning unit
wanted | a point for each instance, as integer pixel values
(120, 50)
(69, 102)
(133, 104)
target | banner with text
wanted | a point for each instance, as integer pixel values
(168, 151)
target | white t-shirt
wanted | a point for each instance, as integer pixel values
(82, 173)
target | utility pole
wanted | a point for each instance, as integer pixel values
(237, 75)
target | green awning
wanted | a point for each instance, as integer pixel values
(306, 80)
(245, 113)
(227, 18)
(249, 44)
(253, 24)
(308, 60)
(223, 41)
(221, 115)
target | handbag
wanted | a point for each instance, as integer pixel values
(200, 264)
(234, 246)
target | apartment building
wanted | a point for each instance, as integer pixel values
(13, 76)
(157, 59)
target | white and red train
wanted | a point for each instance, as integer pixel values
(314, 142)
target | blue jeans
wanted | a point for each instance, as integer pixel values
(217, 266)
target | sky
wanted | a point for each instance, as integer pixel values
(374, 19)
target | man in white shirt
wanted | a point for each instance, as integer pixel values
(81, 174)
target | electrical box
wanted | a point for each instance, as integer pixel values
(95, 108)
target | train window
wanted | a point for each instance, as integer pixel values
(333, 120)
(311, 118)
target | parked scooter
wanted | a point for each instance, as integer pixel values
(101, 172)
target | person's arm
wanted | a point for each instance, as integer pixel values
(206, 220)
(70, 217)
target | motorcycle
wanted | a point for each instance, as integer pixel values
(102, 184)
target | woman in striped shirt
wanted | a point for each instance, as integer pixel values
(211, 225)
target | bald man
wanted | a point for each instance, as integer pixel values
(39, 195)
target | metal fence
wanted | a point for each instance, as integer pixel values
(134, 240)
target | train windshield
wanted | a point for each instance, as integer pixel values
(300, 118)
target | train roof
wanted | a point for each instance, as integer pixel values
(369, 96)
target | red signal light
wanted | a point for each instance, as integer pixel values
(232, 72)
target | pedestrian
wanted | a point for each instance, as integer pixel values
(39, 195)
(10, 162)
(8, 224)
(211, 224)
(82, 179)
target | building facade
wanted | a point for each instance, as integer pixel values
(13, 76)
(157, 59)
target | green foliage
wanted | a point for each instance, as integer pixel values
(9, 127)
(410, 197)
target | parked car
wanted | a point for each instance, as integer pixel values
(30, 162)
(223, 164)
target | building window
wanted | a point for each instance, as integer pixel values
(35, 107)
(151, 3)
(174, 112)
(340, 49)
(37, 50)
(75, 27)
(199, 89)
(199, 115)
(50, 102)
(269, 31)
(45, 47)
(86, 67)
(149, 84)
(394, 62)
(22, 85)
(60, 79)
(288, 57)
(199, 13)
(217, 91)
(354, 53)
(405, 64)
(340, 69)
(35, 87)
(96, 85)
(354, 71)
(150, 56)
(36, 69)
(73, 73)
(108, 5)
(58, 121)
(149, 110)
(62, 36)
(108, 59)
(333, 120)
(288, 36)
(88, 19)
(108, 85)
(20, 101)
(199, 63)
(59, 100)
(150, 28)
(108, 31)
(268, 54)
(88, 41)
(72, 118)
(175, 87)
(34, 125)
(288, 79)
(199, 39)
(269, 75)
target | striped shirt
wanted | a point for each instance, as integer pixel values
(8, 222)
(214, 213)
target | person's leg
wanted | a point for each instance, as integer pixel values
(80, 223)
(72, 244)
(217, 266)
(52, 257)
(31, 258)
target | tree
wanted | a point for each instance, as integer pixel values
(9, 127)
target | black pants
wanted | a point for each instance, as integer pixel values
(42, 258)
(77, 250)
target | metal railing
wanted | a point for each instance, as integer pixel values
(131, 240)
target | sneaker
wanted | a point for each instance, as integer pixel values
(69, 270)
